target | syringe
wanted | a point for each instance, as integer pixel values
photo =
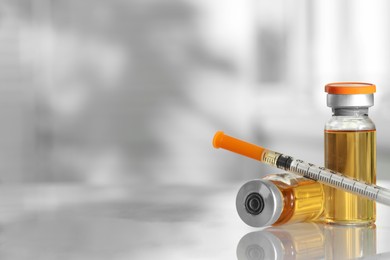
(325, 176)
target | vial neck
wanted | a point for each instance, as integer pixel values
(350, 111)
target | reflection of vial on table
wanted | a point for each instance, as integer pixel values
(349, 242)
(296, 241)
(279, 198)
(350, 148)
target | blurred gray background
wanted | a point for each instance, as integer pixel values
(132, 91)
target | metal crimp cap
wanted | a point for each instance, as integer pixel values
(259, 203)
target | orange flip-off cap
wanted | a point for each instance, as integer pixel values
(348, 88)
(237, 146)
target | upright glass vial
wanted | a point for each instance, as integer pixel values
(350, 148)
(279, 198)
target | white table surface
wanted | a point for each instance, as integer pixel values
(172, 222)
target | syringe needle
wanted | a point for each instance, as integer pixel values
(325, 176)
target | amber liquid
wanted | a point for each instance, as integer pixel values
(302, 202)
(353, 154)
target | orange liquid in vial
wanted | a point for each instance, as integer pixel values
(302, 202)
(352, 153)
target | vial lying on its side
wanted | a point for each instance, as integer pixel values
(278, 199)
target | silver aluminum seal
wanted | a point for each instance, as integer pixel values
(354, 100)
(272, 203)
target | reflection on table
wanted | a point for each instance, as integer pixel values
(309, 241)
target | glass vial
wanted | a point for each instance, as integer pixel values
(350, 148)
(278, 199)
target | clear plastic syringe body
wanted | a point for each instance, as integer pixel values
(326, 176)
(383, 196)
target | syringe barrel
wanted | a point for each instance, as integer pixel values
(333, 179)
(383, 196)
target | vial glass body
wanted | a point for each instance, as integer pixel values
(350, 148)
(303, 198)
